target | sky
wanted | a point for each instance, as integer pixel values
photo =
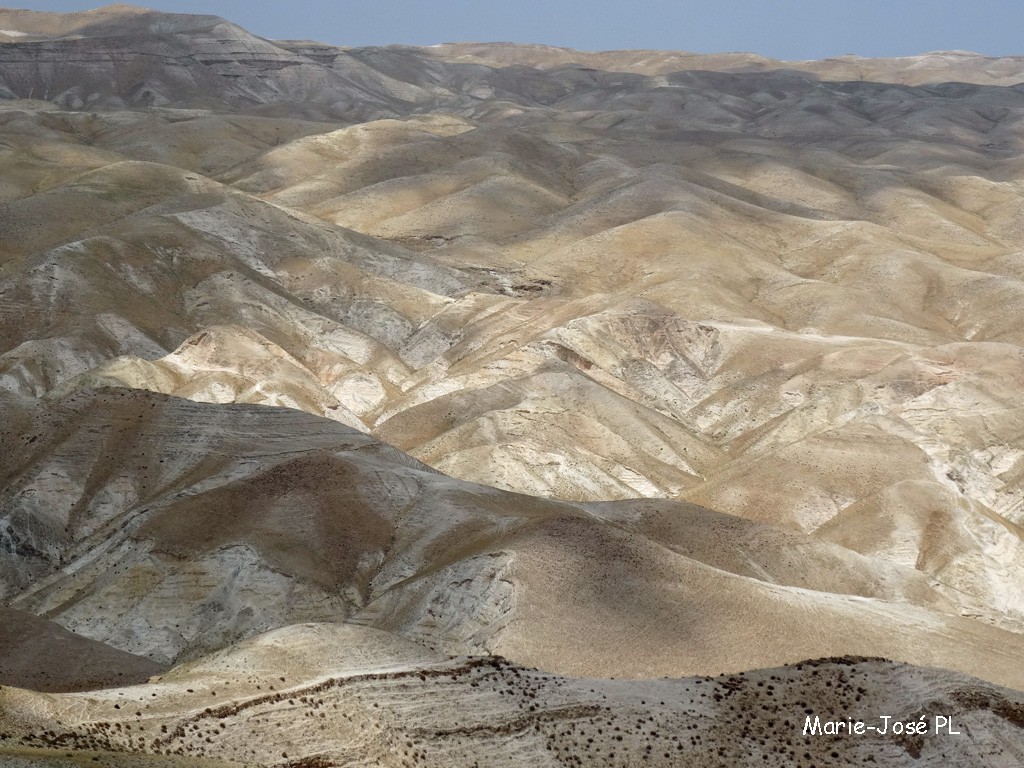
(785, 29)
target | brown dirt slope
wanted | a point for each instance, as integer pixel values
(43, 656)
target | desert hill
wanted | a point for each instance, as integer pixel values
(169, 529)
(475, 287)
(366, 699)
(124, 56)
(619, 364)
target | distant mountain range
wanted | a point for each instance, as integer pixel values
(122, 56)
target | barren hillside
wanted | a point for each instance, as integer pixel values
(621, 365)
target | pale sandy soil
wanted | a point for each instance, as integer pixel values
(628, 364)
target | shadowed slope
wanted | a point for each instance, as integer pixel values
(43, 656)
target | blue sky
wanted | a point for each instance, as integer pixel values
(788, 29)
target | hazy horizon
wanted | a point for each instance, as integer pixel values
(788, 29)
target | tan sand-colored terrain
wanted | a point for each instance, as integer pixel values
(622, 364)
(356, 697)
(169, 529)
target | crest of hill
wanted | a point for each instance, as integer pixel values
(301, 696)
(923, 69)
(99, 22)
(204, 61)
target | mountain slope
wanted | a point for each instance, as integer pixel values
(170, 528)
(720, 359)
(432, 711)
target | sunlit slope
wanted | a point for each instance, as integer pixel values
(790, 301)
(624, 284)
(170, 528)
